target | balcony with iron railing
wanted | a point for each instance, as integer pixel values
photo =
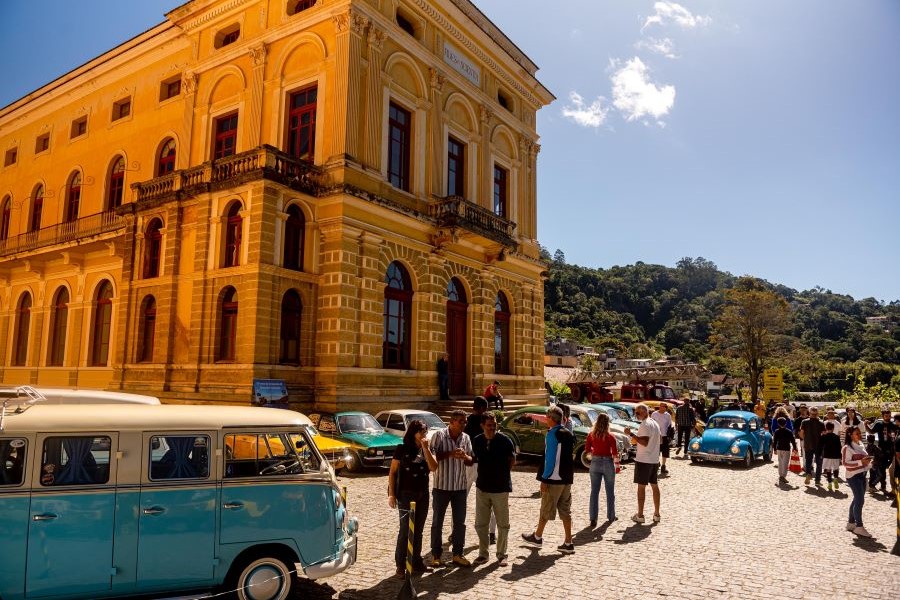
(263, 162)
(456, 211)
(62, 233)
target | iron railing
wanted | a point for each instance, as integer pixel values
(61, 233)
(455, 211)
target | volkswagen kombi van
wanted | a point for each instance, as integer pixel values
(120, 500)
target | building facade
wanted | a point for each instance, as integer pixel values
(328, 192)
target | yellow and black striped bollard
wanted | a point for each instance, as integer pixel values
(408, 592)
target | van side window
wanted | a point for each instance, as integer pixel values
(12, 461)
(267, 454)
(179, 457)
(80, 460)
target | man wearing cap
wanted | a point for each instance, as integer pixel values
(811, 431)
(492, 395)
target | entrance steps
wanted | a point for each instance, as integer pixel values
(443, 408)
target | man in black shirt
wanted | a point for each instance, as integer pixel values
(443, 371)
(811, 431)
(495, 455)
(886, 431)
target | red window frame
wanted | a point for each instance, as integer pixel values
(399, 142)
(291, 327)
(302, 124)
(501, 178)
(73, 198)
(58, 326)
(226, 136)
(294, 238)
(167, 154)
(148, 330)
(233, 230)
(116, 184)
(23, 328)
(152, 249)
(5, 214)
(37, 209)
(102, 326)
(228, 327)
(396, 337)
(456, 167)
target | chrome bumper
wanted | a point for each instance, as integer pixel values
(344, 561)
(716, 457)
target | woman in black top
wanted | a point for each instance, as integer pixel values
(408, 482)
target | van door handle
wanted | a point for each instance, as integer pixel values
(154, 510)
(45, 517)
(233, 505)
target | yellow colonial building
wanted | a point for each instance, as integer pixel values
(332, 193)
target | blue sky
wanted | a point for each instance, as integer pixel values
(763, 135)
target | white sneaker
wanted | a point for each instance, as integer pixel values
(861, 532)
(639, 519)
(851, 526)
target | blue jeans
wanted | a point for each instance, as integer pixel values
(440, 499)
(603, 470)
(810, 454)
(857, 485)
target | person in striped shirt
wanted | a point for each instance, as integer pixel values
(453, 450)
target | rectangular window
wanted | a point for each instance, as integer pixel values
(169, 88)
(456, 168)
(500, 191)
(226, 136)
(79, 127)
(75, 461)
(42, 143)
(230, 38)
(121, 109)
(11, 156)
(179, 457)
(12, 461)
(399, 143)
(269, 454)
(302, 124)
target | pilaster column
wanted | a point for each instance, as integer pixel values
(371, 300)
(436, 141)
(374, 105)
(189, 89)
(338, 314)
(487, 166)
(350, 27)
(532, 189)
(258, 58)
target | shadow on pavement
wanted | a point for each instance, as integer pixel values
(534, 563)
(821, 492)
(635, 533)
(591, 534)
(869, 544)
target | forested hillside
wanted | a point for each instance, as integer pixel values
(652, 310)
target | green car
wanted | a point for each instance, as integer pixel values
(370, 444)
(527, 427)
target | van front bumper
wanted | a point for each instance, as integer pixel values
(341, 563)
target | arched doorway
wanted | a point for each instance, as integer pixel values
(457, 339)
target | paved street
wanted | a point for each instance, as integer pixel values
(725, 533)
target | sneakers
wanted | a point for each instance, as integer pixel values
(656, 518)
(532, 539)
(400, 574)
(492, 539)
(435, 563)
(830, 486)
(836, 485)
(808, 479)
(663, 470)
(639, 519)
(851, 526)
(593, 523)
(861, 532)
(461, 561)
(782, 480)
(566, 548)
(480, 560)
(502, 561)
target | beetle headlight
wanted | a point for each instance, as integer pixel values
(735, 449)
(370, 452)
(695, 445)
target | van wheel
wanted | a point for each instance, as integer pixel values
(264, 578)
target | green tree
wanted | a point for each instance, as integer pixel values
(749, 326)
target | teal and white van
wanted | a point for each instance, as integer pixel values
(115, 500)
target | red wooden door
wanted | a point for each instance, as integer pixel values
(457, 344)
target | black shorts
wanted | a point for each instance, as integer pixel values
(664, 446)
(645, 473)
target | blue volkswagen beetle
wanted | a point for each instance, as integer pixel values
(732, 436)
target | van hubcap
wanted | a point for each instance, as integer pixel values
(263, 583)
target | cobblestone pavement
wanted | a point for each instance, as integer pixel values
(725, 533)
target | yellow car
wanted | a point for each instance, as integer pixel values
(248, 447)
(336, 451)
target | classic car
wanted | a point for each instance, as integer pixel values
(527, 428)
(396, 421)
(587, 414)
(628, 407)
(732, 436)
(249, 446)
(370, 444)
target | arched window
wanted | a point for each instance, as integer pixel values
(233, 222)
(295, 6)
(102, 325)
(23, 326)
(294, 228)
(455, 291)
(291, 313)
(501, 334)
(58, 324)
(37, 208)
(116, 185)
(152, 249)
(166, 161)
(73, 197)
(397, 313)
(228, 312)
(5, 211)
(148, 330)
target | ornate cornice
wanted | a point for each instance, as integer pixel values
(214, 13)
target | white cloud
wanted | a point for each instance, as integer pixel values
(635, 96)
(665, 46)
(586, 116)
(671, 12)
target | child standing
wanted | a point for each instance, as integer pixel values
(873, 450)
(784, 441)
(831, 454)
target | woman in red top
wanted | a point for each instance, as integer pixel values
(602, 446)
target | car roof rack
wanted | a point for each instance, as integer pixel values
(22, 397)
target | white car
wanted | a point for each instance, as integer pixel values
(396, 421)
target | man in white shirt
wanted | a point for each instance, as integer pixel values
(646, 462)
(664, 420)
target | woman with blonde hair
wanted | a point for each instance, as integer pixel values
(781, 411)
(602, 446)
